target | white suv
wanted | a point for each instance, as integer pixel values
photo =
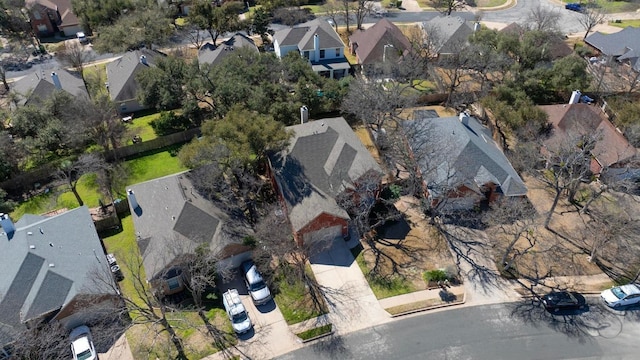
(82, 344)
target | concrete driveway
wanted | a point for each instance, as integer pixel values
(352, 305)
(270, 336)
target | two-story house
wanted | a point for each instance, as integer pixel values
(318, 42)
(48, 17)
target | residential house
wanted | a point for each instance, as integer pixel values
(623, 46)
(48, 267)
(172, 220)
(384, 41)
(324, 160)
(121, 78)
(40, 85)
(446, 35)
(570, 120)
(213, 55)
(557, 48)
(48, 17)
(316, 41)
(460, 163)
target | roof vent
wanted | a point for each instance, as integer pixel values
(29, 233)
(32, 247)
(52, 265)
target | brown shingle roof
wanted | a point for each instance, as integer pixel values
(369, 44)
(580, 119)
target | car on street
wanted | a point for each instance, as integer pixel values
(574, 7)
(563, 300)
(82, 344)
(619, 296)
(259, 291)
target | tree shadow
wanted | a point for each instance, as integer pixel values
(332, 347)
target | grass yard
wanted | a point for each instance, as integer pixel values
(610, 7)
(316, 9)
(490, 3)
(295, 301)
(152, 166)
(320, 330)
(625, 23)
(140, 126)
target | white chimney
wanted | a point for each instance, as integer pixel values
(7, 225)
(464, 118)
(476, 26)
(56, 81)
(316, 47)
(304, 114)
(143, 60)
(132, 199)
(575, 97)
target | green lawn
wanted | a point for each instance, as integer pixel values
(384, 287)
(626, 23)
(140, 126)
(141, 169)
(295, 301)
(316, 9)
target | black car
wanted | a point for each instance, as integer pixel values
(563, 300)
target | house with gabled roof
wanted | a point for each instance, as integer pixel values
(623, 46)
(213, 55)
(447, 34)
(48, 17)
(121, 78)
(324, 160)
(172, 220)
(47, 270)
(382, 41)
(40, 85)
(317, 42)
(459, 162)
(571, 120)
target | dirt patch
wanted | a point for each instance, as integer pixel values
(407, 248)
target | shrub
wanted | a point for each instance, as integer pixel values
(434, 275)
(169, 122)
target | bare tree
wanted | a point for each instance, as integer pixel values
(334, 11)
(609, 226)
(625, 75)
(75, 56)
(3, 78)
(543, 19)
(589, 18)
(448, 6)
(103, 122)
(362, 10)
(516, 219)
(347, 11)
(567, 165)
(72, 171)
(193, 34)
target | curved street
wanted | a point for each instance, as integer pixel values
(521, 330)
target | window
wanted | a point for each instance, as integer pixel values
(321, 54)
(36, 15)
(306, 55)
(173, 283)
(42, 28)
(338, 52)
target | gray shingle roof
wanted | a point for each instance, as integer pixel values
(121, 73)
(323, 158)
(209, 54)
(454, 153)
(45, 264)
(451, 33)
(302, 35)
(39, 85)
(174, 220)
(616, 44)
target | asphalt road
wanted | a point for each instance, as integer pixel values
(520, 13)
(519, 331)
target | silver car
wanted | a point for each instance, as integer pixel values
(259, 291)
(619, 296)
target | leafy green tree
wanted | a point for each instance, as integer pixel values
(161, 86)
(94, 14)
(134, 30)
(216, 20)
(260, 24)
(568, 74)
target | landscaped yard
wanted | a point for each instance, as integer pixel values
(403, 250)
(140, 126)
(141, 169)
(625, 23)
(295, 301)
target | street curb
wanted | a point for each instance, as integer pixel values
(461, 302)
(590, 292)
(316, 337)
(509, 4)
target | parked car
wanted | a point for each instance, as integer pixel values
(82, 344)
(573, 7)
(563, 300)
(236, 311)
(82, 37)
(619, 296)
(259, 291)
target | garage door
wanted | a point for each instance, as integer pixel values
(325, 234)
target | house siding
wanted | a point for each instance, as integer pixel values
(322, 221)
